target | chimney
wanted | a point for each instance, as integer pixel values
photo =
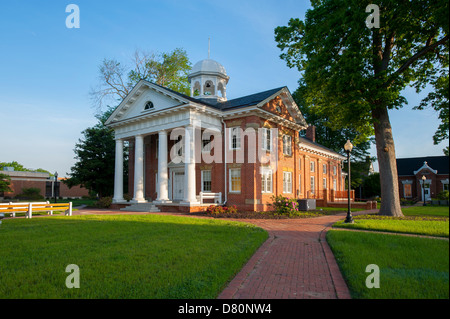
(311, 133)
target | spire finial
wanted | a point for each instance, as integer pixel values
(209, 47)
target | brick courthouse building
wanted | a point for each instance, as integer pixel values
(188, 151)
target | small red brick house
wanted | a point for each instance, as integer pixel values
(411, 172)
(42, 181)
(187, 152)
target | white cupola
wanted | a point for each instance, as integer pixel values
(209, 80)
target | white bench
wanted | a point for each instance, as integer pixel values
(217, 197)
(28, 208)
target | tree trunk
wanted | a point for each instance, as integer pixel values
(390, 199)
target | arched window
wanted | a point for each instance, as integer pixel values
(209, 88)
(148, 105)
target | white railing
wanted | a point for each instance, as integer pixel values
(29, 208)
(217, 197)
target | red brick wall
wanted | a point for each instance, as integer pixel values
(250, 197)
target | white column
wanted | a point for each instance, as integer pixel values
(139, 170)
(163, 176)
(118, 173)
(189, 166)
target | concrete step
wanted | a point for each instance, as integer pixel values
(142, 207)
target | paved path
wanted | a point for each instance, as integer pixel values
(294, 263)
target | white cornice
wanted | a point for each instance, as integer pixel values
(319, 151)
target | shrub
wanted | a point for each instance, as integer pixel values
(284, 205)
(443, 195)
(31, 193)
(219, 210)
(127, 197)
(104, 202)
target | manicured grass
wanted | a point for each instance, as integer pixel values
(410, 267)
(123, 256)
(438, 211)
(415, 225)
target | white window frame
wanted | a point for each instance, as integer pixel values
(313, 184)
(335, 184)
(287, 182)
(334, 170)
(206, 148)
(312, 166)
(235, 131)
(266, 183)
(287, 145)
(299, 183)
(266, 139)
(203, 180)
(324, 168)
(231, 171)
(324, 183)
(404, 190)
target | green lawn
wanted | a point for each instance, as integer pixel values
(123, 256)
(438, 211)
(415, 225)
(410, 267)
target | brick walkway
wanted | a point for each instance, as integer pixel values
(294, 263)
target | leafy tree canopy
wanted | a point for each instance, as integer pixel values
(20, 168)
(168, 69)
(354, 74)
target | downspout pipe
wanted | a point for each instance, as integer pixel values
(225, 160)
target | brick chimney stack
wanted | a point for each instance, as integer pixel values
(311, 133)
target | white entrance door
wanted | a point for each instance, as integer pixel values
(178, 186)
(426, 192)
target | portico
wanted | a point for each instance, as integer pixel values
(186, 161)
(172, 120)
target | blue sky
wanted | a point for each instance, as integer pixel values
(47, 70)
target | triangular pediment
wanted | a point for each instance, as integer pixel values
(145, 98)
(425, 168)
(282, 104)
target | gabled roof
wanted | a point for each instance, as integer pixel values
(245, 101)
(407, 166)
(248, 100)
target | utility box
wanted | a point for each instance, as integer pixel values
(306, 204)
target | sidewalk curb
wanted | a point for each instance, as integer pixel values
(340, 286)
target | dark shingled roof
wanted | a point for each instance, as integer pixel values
(407, 166)
(247, 100)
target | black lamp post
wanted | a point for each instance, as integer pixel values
(423, 190)
(348, 148)
(55, 184)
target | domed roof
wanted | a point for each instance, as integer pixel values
(208, 66)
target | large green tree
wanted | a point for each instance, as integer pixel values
(94, 168)
(5, 183)
(354, 70)
(116, 80)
